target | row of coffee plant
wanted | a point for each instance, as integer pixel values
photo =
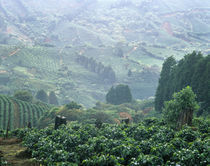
(16, 113)
(150, 142)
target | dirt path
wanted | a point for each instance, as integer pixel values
(15, 154)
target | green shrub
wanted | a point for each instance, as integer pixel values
(136, 144)
(179, 110)
(73, 105)
(23, 95)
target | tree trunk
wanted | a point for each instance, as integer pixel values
(185, 118)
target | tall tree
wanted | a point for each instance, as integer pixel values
(185, 70)
(52, 98)
(42, 95)
(203, 88)
(119, 94)
(179, 110)
(193, 70)
(161, 93)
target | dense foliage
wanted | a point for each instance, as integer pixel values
(193, 70)
(53, 99)
(42, 96)
(106, 73)
(179, 110)
(106, 113)
(148, 143)
(119, 94)
(163, 86)
(24, 95)
(73, 105)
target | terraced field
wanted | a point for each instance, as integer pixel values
(38, 48)
(17, 113)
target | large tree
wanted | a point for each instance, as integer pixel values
(119, 94)
(23, 95)
(179, 110)
(163, 86)
(52, 98)
(42, 95)
(193, 70)
(185, 70)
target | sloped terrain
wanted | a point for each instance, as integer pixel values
(16, 113)
(40, 42)
(13, 153)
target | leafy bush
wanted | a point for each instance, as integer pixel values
(23, 95)
(151, 143)
(187, 134)
(179, 110)
(73, 105)
(102, 160)
(2, 161)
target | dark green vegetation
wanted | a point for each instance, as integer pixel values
(24, 96)
(105, 73)
(148, 143)
(53, 99)
(106, 113)
(96, 139)
(42, 96)
(2, 161)
(77, 50)
(192, 70)
(40, 42)
(18, 113)
(119, 94)
(180, 109)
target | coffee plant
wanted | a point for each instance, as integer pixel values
(145, 143)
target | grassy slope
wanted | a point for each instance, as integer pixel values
(146, 32)
(19, 113)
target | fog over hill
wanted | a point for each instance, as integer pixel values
(40, 42)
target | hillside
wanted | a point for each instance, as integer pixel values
(18, 113)
(41, 41)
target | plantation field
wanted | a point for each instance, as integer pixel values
(38, 67)
(150, 142)
(38, 48)
(18, 114)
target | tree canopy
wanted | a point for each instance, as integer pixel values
(24, 95)
(179, 110)
(52, 98)
(42, 95)
(163, 86)
(193, 70)
(119, 94)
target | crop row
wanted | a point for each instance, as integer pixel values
(18, 113)
(150, 142)
(39, 61)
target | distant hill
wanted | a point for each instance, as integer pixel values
(41, 40)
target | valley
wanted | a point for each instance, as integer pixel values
(39, 44)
